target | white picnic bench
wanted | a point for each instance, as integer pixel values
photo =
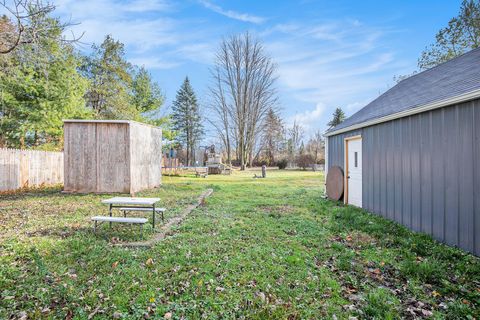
(126, 204)
(201, 172)
(100, 219)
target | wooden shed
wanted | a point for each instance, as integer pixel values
(111, 156)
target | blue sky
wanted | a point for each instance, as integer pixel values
(329, 53)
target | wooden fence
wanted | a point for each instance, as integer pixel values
(29, 168)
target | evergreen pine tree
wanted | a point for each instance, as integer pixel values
(338, 117)
(186, 119)
(110, 76)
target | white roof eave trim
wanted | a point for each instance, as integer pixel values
(107, 121)
(427, 107)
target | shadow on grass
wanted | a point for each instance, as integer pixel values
(414, 262)
(117, 233)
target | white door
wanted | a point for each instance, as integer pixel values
(354, 172)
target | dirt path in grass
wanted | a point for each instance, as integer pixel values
(165, 230)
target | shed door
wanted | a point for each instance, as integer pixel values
(354, 172)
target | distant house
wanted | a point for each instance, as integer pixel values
(413, 154)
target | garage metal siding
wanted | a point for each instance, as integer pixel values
(420, 171)
(336, 148)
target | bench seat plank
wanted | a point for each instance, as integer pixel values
(141, 209)
(120, 219)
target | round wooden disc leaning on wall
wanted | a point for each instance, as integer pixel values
(335, 183)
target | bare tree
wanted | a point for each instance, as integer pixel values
(243, 91)
(24, 23)
(316, 146)
(295, 140)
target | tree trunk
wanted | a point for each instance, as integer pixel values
(229, 152)
(188, 150)
(240, 154)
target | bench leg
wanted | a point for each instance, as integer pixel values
(141, 231)
(153, 222)
(110, 211)
(95, 226)
(124, 213)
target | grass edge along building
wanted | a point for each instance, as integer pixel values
(413, 154)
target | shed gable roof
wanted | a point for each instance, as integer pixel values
(453, 78)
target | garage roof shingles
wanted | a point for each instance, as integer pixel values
(458, 76)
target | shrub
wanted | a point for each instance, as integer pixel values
(282, 164)
(305, 160)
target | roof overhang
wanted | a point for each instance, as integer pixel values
(96, 121)
(108, 121)
(427, 107)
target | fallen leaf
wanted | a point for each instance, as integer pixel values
(149, 262)
(93, 313)
(167, 315)
(435, 294)
(261, 295)
(115, 264)
(427, 313)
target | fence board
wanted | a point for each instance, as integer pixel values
(29, 168)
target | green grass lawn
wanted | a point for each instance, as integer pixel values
(258, 249)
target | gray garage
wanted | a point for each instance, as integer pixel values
(412, 155)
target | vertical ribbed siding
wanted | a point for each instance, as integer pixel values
(421, 171)
(336, 148)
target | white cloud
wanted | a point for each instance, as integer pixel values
(97, 18)
(152, 35)
(245, 17)
(329, 65)
(197, 52)
(154, 63)
(139, 35)
(309, 118)
(147, 6)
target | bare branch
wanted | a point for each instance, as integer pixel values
(25, 24)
